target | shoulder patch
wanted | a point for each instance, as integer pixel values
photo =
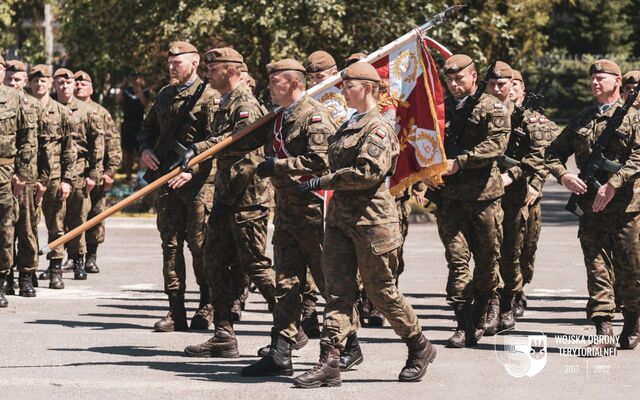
(533, 120)
(316, 118)
(497, 105)
(243, 114)
(317, 138)
(380, 133)
(543, 119)
(373, 150)
(216, 101)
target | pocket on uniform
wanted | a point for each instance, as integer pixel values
(387, 244)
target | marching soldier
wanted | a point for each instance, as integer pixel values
(111, 163)
(629, 80)
(470, 217)
(237, 228)
(179, 118)
(362, 234)
(611, 213)
(56, 165)
(298, 152)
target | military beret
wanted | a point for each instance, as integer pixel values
(82, 76)
(360, 71)
(631, 77)
(319, 61)
(244, 68)
(178, 48)
(38, 71)
(457, 63)
(16, 66)
(63, 72)
(287, 64)
(223, 54)
(501, 70)
(355, 57)
(517, 76)
(1, 60)
(605, 66)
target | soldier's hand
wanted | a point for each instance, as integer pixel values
(532, 195)
(180, 180)
(107, 183)
(573, 183)
(18, 182)
(506, 179)
(150, 160)
(64, 191)
(452, 167)
(89, 184)
(311, 184)
(266, 168)
(603, 196)
(40, 189)
(418, 197)
(188, 155)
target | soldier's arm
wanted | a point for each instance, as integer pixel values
(95, 142)
(26, 144)
(148, 135)
(541, 132)
(493, 146)
(318, 129)
(372, 164)
(558, 152)
(205, 117)
(68, 150)
(113, 150)
(44, 164)
(632, 166)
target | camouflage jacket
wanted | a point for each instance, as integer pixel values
(112, 149)
(18, 141)
(483, 142)
(578, 138)
(33, 112)
(164, 134)
(57, 157)
(236, 184)
(362, 154)
(304, 133)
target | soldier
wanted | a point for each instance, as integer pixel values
(321, 66)
(522, 161)
(298, 152)
(184, 203)
(17, 152)
(362, 233)
(111, 163)
(629, 80)
(56, 165)
(354, 58)
(469, 215)
(611, 212)
(237, 228)
(26, 229)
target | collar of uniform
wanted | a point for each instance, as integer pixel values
(291, 112)
(608, 109)
(188, 90)
(185, 86)
(73, 104)
(363, 119)
(460, 102)
(230, 97)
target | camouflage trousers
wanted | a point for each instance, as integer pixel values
(182, 216)
(467, 228)
(235, 256)
(8, 218)
(54, 211)
(95, 235)
(297, 249)
(528, 256)
(26, 230)
(372, 251)
(617, 235)
(78, 205)
(404, 210)
(514, 226)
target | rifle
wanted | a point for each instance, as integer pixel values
(597, 162)
(518, 140)
(185, 114)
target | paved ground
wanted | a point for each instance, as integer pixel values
(94, 337)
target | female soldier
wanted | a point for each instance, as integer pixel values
(362, 233)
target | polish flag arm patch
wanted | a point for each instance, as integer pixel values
(380, 133)
(243, 114)
(316, 118)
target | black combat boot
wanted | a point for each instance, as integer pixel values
(375, 319)
(301, 340)
(492, 319)
(325, 373)
(277, 362)
(507, 318)
(12, 284)
(518, 305)
(79, 273)
(464, 334)
(69, 265)
(34, 280)
(421, 354)
(3, 283)
(203, 318)
(176, 319)
(45, 275)
(605, 342)
(26, 284)
(309, 318)
(630, 335)
(55, 274)
(223, 344)
(480, 307)
(352, 354)
(90, 265)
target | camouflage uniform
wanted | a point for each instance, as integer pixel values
(237, 229)
(18, 150)
(297, 238)
(183, 212)
(530, 246)
(615, 229)
(470, 217)
(362, 230)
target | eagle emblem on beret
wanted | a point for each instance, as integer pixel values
(598, 67)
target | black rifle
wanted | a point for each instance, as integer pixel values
(185, 115)
(519, 142)
(597, 162)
